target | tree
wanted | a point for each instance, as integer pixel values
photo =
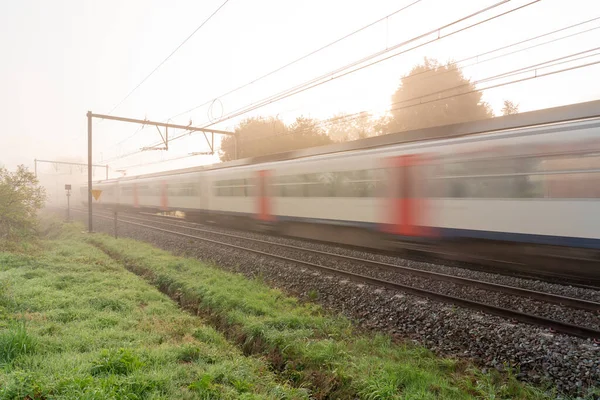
(20, 199)
(262, 136)
(342, 128)
(510, 108)
(433, 94)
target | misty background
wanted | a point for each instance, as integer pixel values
(61, 59)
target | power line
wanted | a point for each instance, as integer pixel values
(495, 77)
(479, 62)
(422, 103)
(138, 130)
(305, 86)
(167, 58)
(325, 78)
(159, 161)
(503, 75)
(476, 56)
(302, 57)
(530, 68)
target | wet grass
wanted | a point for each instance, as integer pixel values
(304, 345)
(74, 324)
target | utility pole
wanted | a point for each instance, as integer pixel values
(164, 138)
(68, 189)
(89, 188)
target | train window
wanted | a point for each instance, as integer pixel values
(358, 183)
(223, 191)
(573, 186)
(144, 190)
(529, 186)
(320, 184)
(292, 186)
(289, 186)
(572, 162)
(233, 187)
(183, 189)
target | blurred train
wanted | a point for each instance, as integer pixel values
(530, 186)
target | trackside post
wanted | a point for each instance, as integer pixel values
(89, 123)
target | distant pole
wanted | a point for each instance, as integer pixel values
(106, 171)
(68, 205)
(35, 166)
(89, 118)
(115, 215)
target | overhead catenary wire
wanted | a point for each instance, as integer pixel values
(330, 76)
(486, 53)
(159, 161)
(521, 70)
(167, 58)
(138, 130)
(327, 77)
(421, 102)
(306, 85)
(479, 55)
(295, 61)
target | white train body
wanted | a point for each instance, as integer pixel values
(530, 185)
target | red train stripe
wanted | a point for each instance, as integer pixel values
(264, 201)
(406, 205)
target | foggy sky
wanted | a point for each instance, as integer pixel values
(63, 58)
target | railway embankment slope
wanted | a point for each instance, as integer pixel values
(83, 316)
(75, 324)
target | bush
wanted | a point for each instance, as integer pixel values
(20, 199)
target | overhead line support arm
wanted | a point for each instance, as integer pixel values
(162, 124)
(164, 138)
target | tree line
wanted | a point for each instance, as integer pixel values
(431, 94)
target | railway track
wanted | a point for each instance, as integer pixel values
(304, 257)
(429, 254)
(464, 259)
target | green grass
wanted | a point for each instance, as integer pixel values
(306, 346)
(74, 324)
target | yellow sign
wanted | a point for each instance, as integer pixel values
(96, 193)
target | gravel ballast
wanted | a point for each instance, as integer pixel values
(518, 303)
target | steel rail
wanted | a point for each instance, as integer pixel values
(557, 326)
(542, 296)
(481, 262)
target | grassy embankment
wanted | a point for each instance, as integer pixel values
(305, 345)
(80, 326)
(75, 324)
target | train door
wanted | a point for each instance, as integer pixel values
(406, 210)
(136, 199)
(265, 211)
(164, 196)
(203, 193)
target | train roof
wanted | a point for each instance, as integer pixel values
(547, 116)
